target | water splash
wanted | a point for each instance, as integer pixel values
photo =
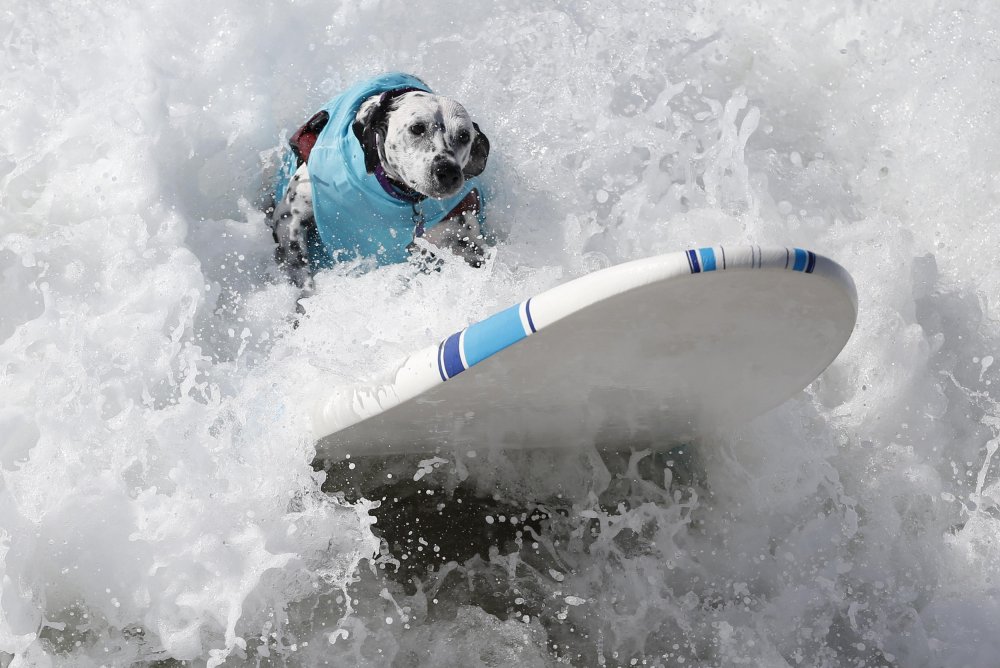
(156, 494)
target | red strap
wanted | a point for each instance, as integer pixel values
(304, 139)
(469, 204)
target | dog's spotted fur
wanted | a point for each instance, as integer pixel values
(291, 222)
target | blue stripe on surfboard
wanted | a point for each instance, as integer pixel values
(527, 312)
(441, 362)
(801, 258)
(494, 334)
(812, 262)
(452, 357)
(707, 259)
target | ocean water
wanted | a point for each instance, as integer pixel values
(157, 501)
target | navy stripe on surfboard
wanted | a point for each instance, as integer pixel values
(693, 261)
(452, 357)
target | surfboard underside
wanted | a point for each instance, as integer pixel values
(642, 354)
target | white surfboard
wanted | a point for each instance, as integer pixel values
(646, 353)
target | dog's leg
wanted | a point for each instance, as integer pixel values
(461, 233)
(290, 223)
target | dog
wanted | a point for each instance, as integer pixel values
(386, 170)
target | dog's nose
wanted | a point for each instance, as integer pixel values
(447, 174)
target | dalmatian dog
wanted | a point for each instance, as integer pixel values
(416, 145)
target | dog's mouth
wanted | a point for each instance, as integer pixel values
(435, 193)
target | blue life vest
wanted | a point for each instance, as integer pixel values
(355, 216)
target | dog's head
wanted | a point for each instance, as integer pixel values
(424, 141)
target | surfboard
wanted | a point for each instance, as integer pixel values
(651, 352)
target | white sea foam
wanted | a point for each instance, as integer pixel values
(157, 499)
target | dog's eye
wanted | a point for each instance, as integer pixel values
(418, 128)
(463, 137)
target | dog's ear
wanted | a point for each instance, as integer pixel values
(369, 121)
(477, 156)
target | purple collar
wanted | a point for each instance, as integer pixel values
(403, 194)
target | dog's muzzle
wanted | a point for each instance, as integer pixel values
(448, 175)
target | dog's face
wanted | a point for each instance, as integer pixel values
(424, 141)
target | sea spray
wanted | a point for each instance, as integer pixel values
(157, 497)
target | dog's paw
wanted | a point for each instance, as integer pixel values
(423, 257)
